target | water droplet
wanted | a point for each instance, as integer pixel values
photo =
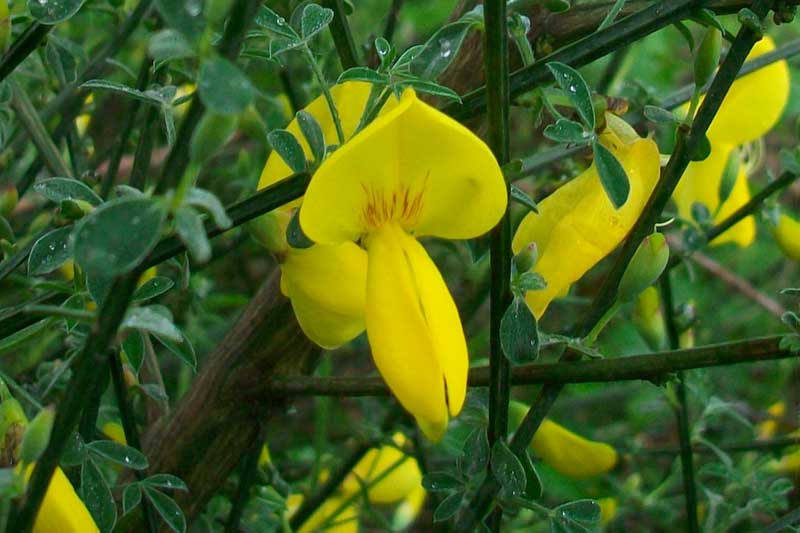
(281, 21)
(446, 47)
(193, 7)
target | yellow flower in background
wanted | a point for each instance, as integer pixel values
(325, 283)
(564, 451)
(769, 428)
(327, 517)
(608, 509)
(115, 432)
(577, 225)
(388, 474)
(409, 509)
(787, 235)
(413, 172)
(753, 105)
(62, 511)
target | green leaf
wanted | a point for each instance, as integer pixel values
(60, 189)
(729, 176)
(212, 133)
(61, 60)
(152, 288)
(430, 87)
(659, 115)
(612, 175)
(312, 131)
(439, 51)
(578, 516)
(576, 89)
(567, 131)
(53, 11)
(530, 281)
(190, 229)
(131, 497)
(133, 346)
(386, 52)
(363, 74)
(50, 251)
(97, 496)
(519, 334)
(508, 469)
(169, 44)
(295, 236)
(209, 202)
(168, 117)
(448, 507)
(441, 481)
(223, 87)
(152, 96)
(533, 485)
(118, 235)
(166, 481)
(288, 148)
(119, 454)
(702, 150)
(275, 24)
(167, 508)
(186, 16)
(183, 350)
(151, 390)
(475, 454)
(150, 320)
(315, 19)
(98, 283)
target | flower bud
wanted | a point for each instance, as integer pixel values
(37, 435)
(75, 209)
(705, 62)
(12, 427)
(9, 197)
(787, 236)
(115, 432)
(645, 267)
(269, 230)
(212, 133)
(648, 320)
(526, 259)
(5, 25)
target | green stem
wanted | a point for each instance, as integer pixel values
(323, 83)
(342, 36)
(22, 47)
(144, 148)
(681, 412)
(591, 337)
(77, 397)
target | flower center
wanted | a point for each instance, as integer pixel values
(400, 205)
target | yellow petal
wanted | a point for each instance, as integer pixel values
(414, 166)
(389, 474)
(414, 329)
(350, 99)
(115, 432)
(700, 184)
(571, 454)
(787, 235)
(754, 103)
(608, 509)
(326, 518)
(326, 286)
(577, 225)
(62, 511)
(409, 509)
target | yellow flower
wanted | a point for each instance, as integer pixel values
(608, 509)
(564, 451)
(577, 225)
(648, 320)
(413, 172)
(409, 509)
(751, 108)
(388, 474)
(62, 511)
(264, 458)
(324, 283)
(115, 432)
(327, 517)
(787, 235)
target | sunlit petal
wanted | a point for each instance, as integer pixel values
(389, 474)
(326, 285)
(577, 225)
(414, 329)
(414, 166)
(62, 511)
(570, 454)
(787, 235)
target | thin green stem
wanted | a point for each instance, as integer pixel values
(77, 397)
(496, 67)
(247, 476)
(591, 337)
(323, 83)
(129, 427)
(681, 411)
(342, 36)
(22, 47)
(144, 149)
